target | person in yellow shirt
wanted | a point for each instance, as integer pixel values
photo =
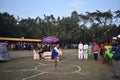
(108, 54)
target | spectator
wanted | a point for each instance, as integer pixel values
(107, 53)
(42, 50)
(95, 51)
(47, 47)
(85, 48)
(102, 52)
(90, 51)
(80, 50)
(116, 56)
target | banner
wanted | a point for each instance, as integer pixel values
(4, 52)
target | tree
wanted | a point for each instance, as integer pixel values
(71, 29)
(8, 26)
(117, 16)
(83, 19)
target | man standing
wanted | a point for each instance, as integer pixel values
(80, 50)
(116, 56)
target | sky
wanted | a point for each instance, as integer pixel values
(62, 8)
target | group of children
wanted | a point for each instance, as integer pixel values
(87, 51)
(105, 52)
(110, 53)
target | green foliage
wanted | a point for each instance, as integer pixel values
(102, 26)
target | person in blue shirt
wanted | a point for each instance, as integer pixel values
(55, 52)
(116, 57)
(114, 45)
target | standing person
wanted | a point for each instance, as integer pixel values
(102, 52)
(110, 55)
(85, 48)
(90, 51)
(107, 53)
(12, 46)
(80, 50)
(116, 56)
(56, 50)
(101, 49)
(95, 51)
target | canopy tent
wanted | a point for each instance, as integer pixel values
(19, 39)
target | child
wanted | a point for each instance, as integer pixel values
(102, 53)
(55, 53)
(80, 50)
(90, 51)
(95, 51)
(85, 51)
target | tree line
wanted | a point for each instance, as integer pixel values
(88, 27)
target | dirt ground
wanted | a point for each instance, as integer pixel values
(22, 67)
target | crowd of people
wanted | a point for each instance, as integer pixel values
(23, 45)
(110, 53)
(85, 51)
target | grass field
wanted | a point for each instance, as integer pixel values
(22, 67)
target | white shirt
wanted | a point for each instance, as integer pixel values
(85, 47)
(80, 46)
(58, 50)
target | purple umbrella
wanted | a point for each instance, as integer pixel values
(50, 39)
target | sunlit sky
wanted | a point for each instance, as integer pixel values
(62, 8)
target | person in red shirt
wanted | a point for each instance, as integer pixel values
(95, 51)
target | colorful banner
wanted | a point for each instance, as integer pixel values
(4, 52)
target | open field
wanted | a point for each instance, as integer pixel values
(22, 67)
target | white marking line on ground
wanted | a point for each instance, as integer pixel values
(41, 63)
(20, 70)
(32, 76)
(79, 69)
(85, 73)
(43, 72)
